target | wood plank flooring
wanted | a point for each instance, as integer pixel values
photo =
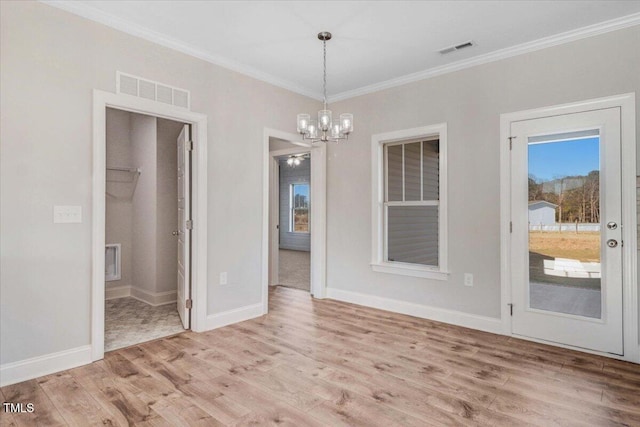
(326, 363)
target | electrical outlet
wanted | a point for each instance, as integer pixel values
(468, 279)
(223, 278)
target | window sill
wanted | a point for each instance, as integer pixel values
(410, 270)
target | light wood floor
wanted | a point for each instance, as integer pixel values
(325, 363)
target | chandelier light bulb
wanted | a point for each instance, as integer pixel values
(290, 161)
(346, 123)
(303, 122)
(312, 129)
(324, 120)
(335, 131)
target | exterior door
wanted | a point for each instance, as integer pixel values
(184, 226)
(566, 249)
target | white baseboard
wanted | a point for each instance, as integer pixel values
(234, 316)
(154, 298)
(117, 292)
(12, 373)
(458, 318)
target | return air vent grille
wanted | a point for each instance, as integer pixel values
(154, 91)
(456, 47)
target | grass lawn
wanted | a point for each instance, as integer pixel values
(583, 246)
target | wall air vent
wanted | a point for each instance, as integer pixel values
(154, 91)
(456, 47)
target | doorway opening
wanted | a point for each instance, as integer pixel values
(294, 224)
(147, 201)
(292, 195)
(190, 229)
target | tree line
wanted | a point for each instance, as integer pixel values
(577, 197)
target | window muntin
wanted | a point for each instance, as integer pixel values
(411, 202)
(299, 211)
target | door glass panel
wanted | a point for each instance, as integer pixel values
(564, 224)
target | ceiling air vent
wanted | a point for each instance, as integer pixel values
(456, 47)
(154, 91)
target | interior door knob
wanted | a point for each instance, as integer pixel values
(612, 243)
(176, 232)
(612, 225)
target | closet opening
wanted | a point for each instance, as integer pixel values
(147, 228)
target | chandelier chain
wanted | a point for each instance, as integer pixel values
(324, 72)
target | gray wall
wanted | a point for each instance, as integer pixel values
(141, 210)
(144, 155)
(288, 176)
(120, 188)
(51, 63)
(279, 144)
(470, 101)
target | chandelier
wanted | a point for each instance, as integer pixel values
(325, 129)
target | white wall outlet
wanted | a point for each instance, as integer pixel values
(67, 214)
(468, 279)
(223, 278)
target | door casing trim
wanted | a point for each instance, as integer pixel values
(101, 101)
(626, 103)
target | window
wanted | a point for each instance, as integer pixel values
(299, 208)
(409, 206)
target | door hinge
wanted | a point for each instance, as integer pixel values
(189, 145)
(510, 227)
(189, 224)
(189, 303)
(510, 309)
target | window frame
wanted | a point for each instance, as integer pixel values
(380, 142)
(292, 208)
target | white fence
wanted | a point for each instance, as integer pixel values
(566, 226)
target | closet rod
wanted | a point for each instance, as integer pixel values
(132, 170)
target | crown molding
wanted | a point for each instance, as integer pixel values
(136, 30)
(85, 11)
(543, 43)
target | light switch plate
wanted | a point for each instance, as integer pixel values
(67, 214)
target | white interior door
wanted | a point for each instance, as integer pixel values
(184, 226)
(566, 251)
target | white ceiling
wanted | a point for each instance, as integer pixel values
(376, 44)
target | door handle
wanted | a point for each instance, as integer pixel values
(176, 232)
(612, 243)
(612, 225)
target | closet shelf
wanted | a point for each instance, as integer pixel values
(120, 169)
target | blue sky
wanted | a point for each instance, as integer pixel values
(303, 190)
(555, 159)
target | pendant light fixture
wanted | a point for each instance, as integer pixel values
(296, 159)
(326, 128)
